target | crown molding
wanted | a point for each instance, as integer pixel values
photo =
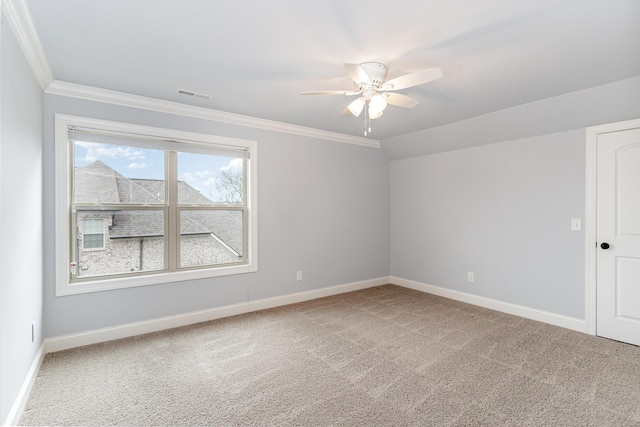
(136, 101)
(18, 17)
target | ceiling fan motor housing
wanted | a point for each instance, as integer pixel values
(376, 71)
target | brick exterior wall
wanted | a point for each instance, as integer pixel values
(203, 250)
(125, 255)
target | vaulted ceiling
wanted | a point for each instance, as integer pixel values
(254, 57)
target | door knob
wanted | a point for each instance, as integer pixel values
(604, 245)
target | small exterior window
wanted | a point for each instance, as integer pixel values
(93, 233)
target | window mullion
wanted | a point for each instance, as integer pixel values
(172, 224)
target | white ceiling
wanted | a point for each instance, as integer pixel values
(255, 56)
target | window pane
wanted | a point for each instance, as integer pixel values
(92, 241)
(93, 226)
(210, 237)
(133, 241)
(205, 179)
(93, 233)
(113, 174)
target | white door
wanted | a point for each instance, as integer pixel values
(618, 236)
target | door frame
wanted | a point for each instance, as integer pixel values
(590, 237)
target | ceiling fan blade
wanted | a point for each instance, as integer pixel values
(413, 79)
(400, 100)
(330, 92)
(357, 73)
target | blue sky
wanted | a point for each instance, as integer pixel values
(198, 170)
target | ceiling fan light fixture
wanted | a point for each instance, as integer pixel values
(356, 106)
(377, 104)
(374, 115)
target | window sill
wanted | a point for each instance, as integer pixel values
(102, 284)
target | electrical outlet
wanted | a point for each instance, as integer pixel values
(299, 275)
(470, 277)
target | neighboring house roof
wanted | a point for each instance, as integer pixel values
(98, 183)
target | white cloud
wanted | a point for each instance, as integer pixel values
(188, 177)
(211, 182)
(233, 164)
(203, 174)
(137, 166)
(96, 151)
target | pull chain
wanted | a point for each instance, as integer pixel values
(366, 117)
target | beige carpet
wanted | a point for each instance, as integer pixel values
(381, 356)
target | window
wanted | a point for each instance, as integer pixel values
(93, 233)
(139, 205)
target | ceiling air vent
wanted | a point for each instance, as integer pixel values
(194, 94)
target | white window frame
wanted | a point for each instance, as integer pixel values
(64, 285)
(84, 234)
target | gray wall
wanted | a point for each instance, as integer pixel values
(323, 209)
(20, 218)
(494, 195)
(501, 211)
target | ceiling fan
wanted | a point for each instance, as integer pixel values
(369, 81)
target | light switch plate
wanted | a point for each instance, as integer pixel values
(576, 224)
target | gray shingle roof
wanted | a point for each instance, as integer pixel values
(98, 183)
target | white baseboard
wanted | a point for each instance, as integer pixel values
(505, 307)
(138, 328)
(21, 400)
